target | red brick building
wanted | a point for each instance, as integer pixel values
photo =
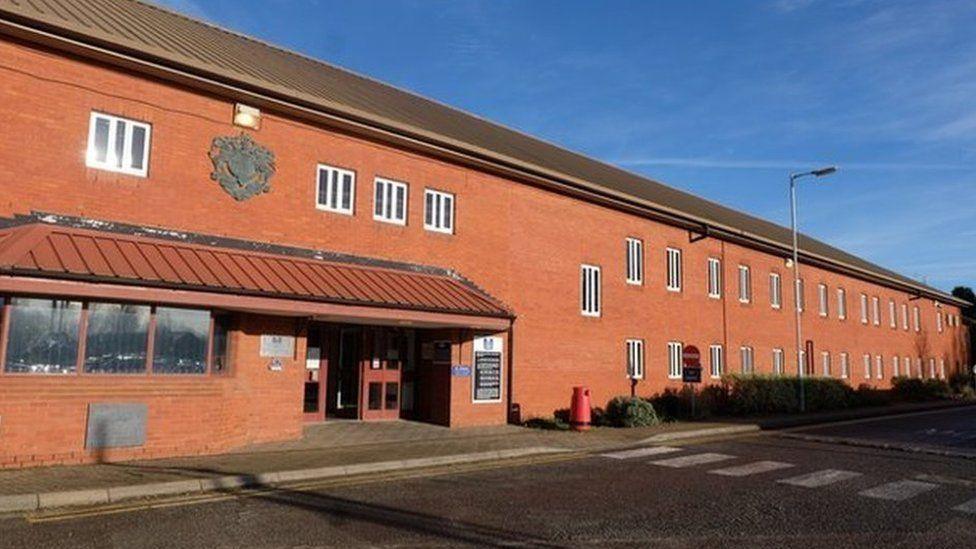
(207, 241)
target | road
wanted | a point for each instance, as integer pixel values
(756, 491)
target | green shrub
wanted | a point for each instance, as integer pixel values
(867, 395)
(547, 423)
(631, 412)
(759, 394)
(959, 382)
(914, 389)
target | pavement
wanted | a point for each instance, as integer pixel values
(341, 449)
(757, 489)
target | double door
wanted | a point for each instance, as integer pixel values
(382, 374)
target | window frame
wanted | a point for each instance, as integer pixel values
(714, 278)
(775, 291)
(673, 275)
(675, 351)
(893, 313)
(779, 361)
(864, 308)
(841, 304)
(825, 364)
(745, 284)
(634, 261)
(389, 198)
(434, 225)
(340, 172)
(716, 367)
(591, 304)
(845, 365)
(823, 297)
(635, 359)
(90, 160)
(746, 351)
(875, 310)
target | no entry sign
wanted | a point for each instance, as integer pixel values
(691, 357)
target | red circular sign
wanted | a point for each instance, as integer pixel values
(691, 357)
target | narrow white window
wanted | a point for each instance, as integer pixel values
(438, 211)
(745, 357)
(714, 278)
(825, 362)
(845, 365)
(938, 320)
(802, 363)
(918, 366)
(335, 189)
(875, 311)
(892, 314)
(822, 298)
(894, 366)
(590, 290)
(778, 356)
(745, 284)
(932, 368)
(864, 309)
(904, 316)
(390, 201)
(906, 366)
(867, 366)
(635, 358)
(635, 261)
(716, 359)
(775, 291)
(674, 360)
(118, 144)
(917, 317)
(799, 295)
(841, 303)
(942, 372)
(674, 270)
(879, 366)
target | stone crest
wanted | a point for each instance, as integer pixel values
(241, 166)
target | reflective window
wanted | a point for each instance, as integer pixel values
(116, 338)
(43, 336)
(221, 356)
(180, 345)
(118, 144)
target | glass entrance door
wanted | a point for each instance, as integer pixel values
(381, 373)
(313, 407)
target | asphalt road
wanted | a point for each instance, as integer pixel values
(757, 491)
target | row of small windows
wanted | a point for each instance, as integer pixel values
(121, 145)
(873, 366)
(634, 267)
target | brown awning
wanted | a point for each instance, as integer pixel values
(102, 264)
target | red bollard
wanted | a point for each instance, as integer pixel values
(579, 409)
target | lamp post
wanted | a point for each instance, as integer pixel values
(800, 366)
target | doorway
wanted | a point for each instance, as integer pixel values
(382, 375)
(343, 397)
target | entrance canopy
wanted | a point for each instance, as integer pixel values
(55, 260)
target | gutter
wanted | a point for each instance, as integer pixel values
(362, 124)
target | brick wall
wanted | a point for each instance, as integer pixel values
(522, 244)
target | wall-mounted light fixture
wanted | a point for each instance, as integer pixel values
(247, 117)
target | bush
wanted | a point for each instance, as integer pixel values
(914, 389)
(631, 412)
(673, 404)
(960, 383)
(762, 395)
(869, 396)
(547, 423)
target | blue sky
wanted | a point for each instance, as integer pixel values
(720, 98)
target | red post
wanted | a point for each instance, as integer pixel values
(579, 409)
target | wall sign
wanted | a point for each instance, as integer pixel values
(461, 370)
(277, 346)
(242, 167)
(487, 375)
(275, 365)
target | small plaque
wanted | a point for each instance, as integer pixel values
(277, 346)
(461, 370)
(112, 425)
(275, 365)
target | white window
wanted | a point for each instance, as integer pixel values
(635, 358)
(714, 278)
(904, 316)
(879, 366)
(841, 303)
(931, 367)
(822, 295)
(938, 320)
(802, 363)
(917, 317)
(118, 144)
(745, 357)
(438, 211)
(825, 361)
(845, 365)
(864, 309)
(867, 366)
(716, 356)
(745, 284)
(799, 295)
(635, 261)
(875, 311)
(674, 270)
(674, 360)
(590, 290)
(942, 373)
(894, 366)
(778, 356)
(775, 291)
(906, 366)
(390, 201)
(892, 314)
(336, 190)
(918, 366)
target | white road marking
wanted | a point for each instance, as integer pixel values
(751, 468)
(820, 478)
(694, 459)
(642, 452)
(968, 507)
(899, 491)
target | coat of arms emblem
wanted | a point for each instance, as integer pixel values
(241, 166)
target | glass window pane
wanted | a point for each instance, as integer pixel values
(116, 339)
(378, 206)
(429, 209)
(375, 400)
(180, 345)
(400, 202)
(392, 396)
(43, 336)
(323, 199)
(333, 189)
(346, 192)
(221, 356)
(138, 147)
(119, 146)
(101, 139)
(448, 212)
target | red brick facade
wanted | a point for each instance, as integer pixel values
(522, 244)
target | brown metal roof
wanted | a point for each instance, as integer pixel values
(53, 251)
(172, 40)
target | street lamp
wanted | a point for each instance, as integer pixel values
(796, 272)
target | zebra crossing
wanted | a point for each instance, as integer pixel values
(900, 490)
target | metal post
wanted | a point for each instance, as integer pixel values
(796, 290)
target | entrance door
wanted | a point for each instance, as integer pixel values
(381, 368)
(315, 368)
(343, 393)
